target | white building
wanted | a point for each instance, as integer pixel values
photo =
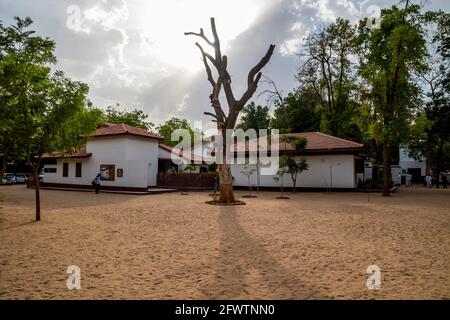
(418, 169)
(129, 158)
(333, 163)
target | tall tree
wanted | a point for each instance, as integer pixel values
(328, 70)
(227, 121)
(297, 112)
(136, 118)
(23, 59)
(389, 55)
(430, 134)
(49, 111)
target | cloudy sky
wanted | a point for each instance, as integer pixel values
(134, 52)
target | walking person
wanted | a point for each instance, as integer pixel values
(408, 180)
(444, 181)
(96, 183)
(216, 185)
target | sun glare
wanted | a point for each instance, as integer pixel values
(163, 24)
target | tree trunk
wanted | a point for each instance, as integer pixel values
(226, 184)
(386, 170)
(38, 198)
(258, 175)
(3, 168)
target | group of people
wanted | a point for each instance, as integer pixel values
(428, 180)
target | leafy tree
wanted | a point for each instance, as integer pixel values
(388, 56)
(248, 172)
(257, 118)
(279, 178)
(167, 128)
(254, 117)
(328, 70)
(136, 118)
(430, 134)
(297, 112)
(23, 59)
(429, 139)
(49, 110)
(289, 162)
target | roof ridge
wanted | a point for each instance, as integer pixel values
(329, 135)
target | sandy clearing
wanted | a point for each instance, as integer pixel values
(170, 246)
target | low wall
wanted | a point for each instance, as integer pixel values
(186, 181)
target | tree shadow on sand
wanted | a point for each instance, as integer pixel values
(238, 255)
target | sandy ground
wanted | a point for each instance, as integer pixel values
(173, 246)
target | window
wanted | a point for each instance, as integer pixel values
(65, 169)
(49, 170)
(78, 170)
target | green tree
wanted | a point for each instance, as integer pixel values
(388, 57)
(23, 68)
(328, 70)
(430, 134)
(136, 118)
(168, 127)
(254, 117)
(297, 112)
(248, 172)
(289, 162)
(49, 111)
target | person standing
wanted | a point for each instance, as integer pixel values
(444, 181)
(429, 181)
(216, 185)
(96, 183)
(408, 180)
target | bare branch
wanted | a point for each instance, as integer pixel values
(216, 39)
(208, 69)
(224, 79)
(256, 69)
(210, 114)
(201, 35)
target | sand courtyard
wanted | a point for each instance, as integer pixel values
(173, 246)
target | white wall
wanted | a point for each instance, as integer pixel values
(317, 176)
(406, 162)
(138, 157)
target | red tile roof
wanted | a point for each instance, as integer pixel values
(107, 129)
(80, 153)
(316, 142)
(190, 157)
(111, 129)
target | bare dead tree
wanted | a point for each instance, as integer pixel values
(226, 120)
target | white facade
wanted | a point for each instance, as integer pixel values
(325, 171)
(406, 162)
(136, 156)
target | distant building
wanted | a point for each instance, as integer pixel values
(418, 169)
